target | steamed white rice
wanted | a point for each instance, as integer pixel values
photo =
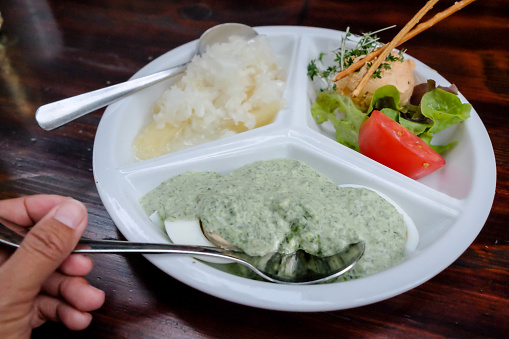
(231, 88)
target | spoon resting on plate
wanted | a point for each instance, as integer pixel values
(299, 268)
(56, 114)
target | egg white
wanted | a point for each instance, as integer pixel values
(188, 232)
(182, 232)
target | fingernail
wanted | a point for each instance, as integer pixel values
(70, 213)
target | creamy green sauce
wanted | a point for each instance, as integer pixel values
(284, 205)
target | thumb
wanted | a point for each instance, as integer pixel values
(47, 245)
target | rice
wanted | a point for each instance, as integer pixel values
(233, 87)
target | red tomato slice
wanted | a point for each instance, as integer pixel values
(393, 145)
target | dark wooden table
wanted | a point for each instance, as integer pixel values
(52, 49)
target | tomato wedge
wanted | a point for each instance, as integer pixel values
(393, 145)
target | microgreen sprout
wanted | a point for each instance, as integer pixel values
(343, 57)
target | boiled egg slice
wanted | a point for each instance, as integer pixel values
(188, 232)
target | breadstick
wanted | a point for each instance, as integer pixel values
(438, 17)
(419, 29)
(359, 63)
(429, 5)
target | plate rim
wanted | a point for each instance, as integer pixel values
(230, 288)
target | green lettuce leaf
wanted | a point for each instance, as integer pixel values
(444, 108)
(437, 111)
(391, 113)
(416, 128)
(328, 105)
(385, 97)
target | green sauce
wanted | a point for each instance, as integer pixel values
(284, 205)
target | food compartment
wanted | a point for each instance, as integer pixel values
(431, 218)
(134, 113)
(455, 178)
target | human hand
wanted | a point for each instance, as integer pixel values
(41, 280)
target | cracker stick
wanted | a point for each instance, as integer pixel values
(438, 17)
(429, 5)
(419, 29)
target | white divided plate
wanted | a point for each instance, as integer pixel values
(449, 207)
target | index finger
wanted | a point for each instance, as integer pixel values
(28, 210)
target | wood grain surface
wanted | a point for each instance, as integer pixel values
(53, 49)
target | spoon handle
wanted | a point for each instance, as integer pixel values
(56, 114)
(118, 246)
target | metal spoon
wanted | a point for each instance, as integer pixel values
(56, 114)
(297, 268)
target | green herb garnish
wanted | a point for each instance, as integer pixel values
(344, 57)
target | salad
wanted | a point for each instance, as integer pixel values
(392, 121)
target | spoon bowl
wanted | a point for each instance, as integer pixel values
(56, 114)
(297, 268)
